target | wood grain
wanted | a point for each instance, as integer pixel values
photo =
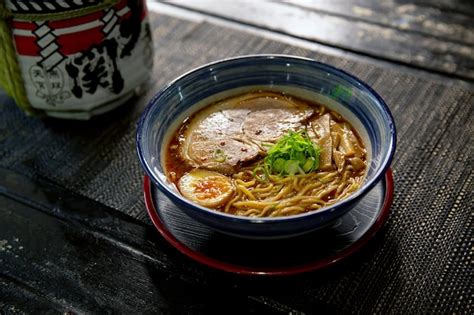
(75, 253)
(457, 6)
(60, 251)
(419, 49)
(405, 16)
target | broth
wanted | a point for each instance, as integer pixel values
(261, 148)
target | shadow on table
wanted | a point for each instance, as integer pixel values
(304, 292)
(121, 113)
(69, 152)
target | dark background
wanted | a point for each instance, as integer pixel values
(74, 234)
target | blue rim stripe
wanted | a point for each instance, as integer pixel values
(255, 58)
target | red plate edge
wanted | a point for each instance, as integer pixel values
(245, 270)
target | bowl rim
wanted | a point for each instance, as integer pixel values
(384, 212)
(166, 188)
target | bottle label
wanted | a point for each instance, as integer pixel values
(85, 62)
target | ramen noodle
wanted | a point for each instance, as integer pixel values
(266, 154)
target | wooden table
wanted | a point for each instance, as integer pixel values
(74, 235)
(435, 37)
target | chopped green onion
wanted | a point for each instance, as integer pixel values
(308, 165)
(219, 156)
(278, 165)
(293, 153)
(291, 167)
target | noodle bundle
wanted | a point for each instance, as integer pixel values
(282, 196)
(266, 154)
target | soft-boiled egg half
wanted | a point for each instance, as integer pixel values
(207, 188)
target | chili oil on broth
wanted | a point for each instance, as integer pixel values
(231, 137)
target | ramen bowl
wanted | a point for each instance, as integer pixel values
(338, 90)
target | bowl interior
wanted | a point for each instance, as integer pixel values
(304, 78)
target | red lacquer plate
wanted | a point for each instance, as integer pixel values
(283, 257)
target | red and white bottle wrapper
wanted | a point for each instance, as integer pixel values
(86, 65)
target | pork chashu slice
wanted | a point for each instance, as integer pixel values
(231, 132)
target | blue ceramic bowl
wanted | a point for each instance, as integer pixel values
(309, 79)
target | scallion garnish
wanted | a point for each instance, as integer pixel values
(219, 156)
(294, 153)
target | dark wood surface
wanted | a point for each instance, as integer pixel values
(64, 250)
(61, 252)
(434, 36)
